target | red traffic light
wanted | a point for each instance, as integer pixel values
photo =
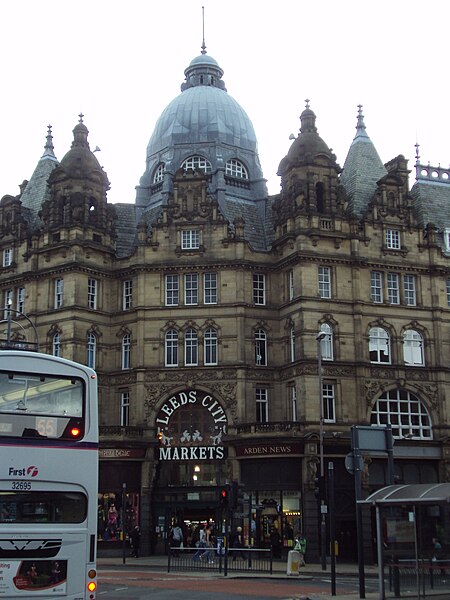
(224, 493)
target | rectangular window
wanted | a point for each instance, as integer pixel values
(172, 290)
(262, 405)
(292, 402)
(329, 414)
(7, 257)
(190, 239)
(124, 409)
(126, 351)
(92, 293)
(447, 239)
(393, 291)
(20, 299)
(409, 289)
(7, 303)
(448, 291)
(59, 290)
(191, 288)
(290, 283)
(292, 344)
(259, 288)
(393, 239)
(210, 288)
(325, 282)
(376, 286)
(127, 294)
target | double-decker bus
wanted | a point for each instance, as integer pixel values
(48, 477)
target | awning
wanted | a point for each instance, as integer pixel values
(421, 493)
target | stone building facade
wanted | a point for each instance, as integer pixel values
(200, 304)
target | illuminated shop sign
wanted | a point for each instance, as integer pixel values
(289, 449)
(190, 426)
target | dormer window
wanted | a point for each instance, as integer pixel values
(447, 239)
(234, 168)
(197, 162)
(7, 257)
(159, 173)
(190, 239)
(393, 239)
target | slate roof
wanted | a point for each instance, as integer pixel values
(254, 215)
(431, 203)
(125, 229)
(37, 190)
(362, 169)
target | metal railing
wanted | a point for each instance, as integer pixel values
(406, 574)
(221, 560)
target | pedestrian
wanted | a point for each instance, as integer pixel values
(207, 554)
(275, 541)
(300, 546)
(237, 542)
(201, 544)
(135, 538)
(176, 537)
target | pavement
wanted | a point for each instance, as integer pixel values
(310, 571)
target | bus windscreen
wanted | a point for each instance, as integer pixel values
(41, 406)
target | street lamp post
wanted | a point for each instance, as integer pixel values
(323, 508)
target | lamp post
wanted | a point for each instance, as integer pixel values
(323, 508)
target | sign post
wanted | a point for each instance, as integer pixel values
(370, 440)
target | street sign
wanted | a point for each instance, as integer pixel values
(350, 463)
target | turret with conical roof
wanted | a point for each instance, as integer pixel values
(362, 169)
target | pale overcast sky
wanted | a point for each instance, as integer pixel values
(121, 63)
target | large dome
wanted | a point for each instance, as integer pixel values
(205, 126)
(203, 114)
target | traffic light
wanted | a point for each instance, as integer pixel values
(237, 494)
(320, 490)
(223, 497)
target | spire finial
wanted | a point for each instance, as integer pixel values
(307, 101)
(360, 123)
(48, 148)
(203, 24)
(417, 153)
(81, 117)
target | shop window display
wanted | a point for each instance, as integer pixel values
(110, 515)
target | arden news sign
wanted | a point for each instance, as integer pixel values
(288, 449)
(191, 425)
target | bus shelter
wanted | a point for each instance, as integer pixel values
(413, 540)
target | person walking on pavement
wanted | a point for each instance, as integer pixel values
(176, 537)
(135, 537)
(300, 546)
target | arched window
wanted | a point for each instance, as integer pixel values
(234, 168)
(260, 347)
(197, 162)
(171, 348)
(126, 351)
(413, 348)
(405, 413)
(91, 350)
(210, 348)
(379, 346)
(326, 343)
(56, 345)
(191, 348)
(159, 173)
